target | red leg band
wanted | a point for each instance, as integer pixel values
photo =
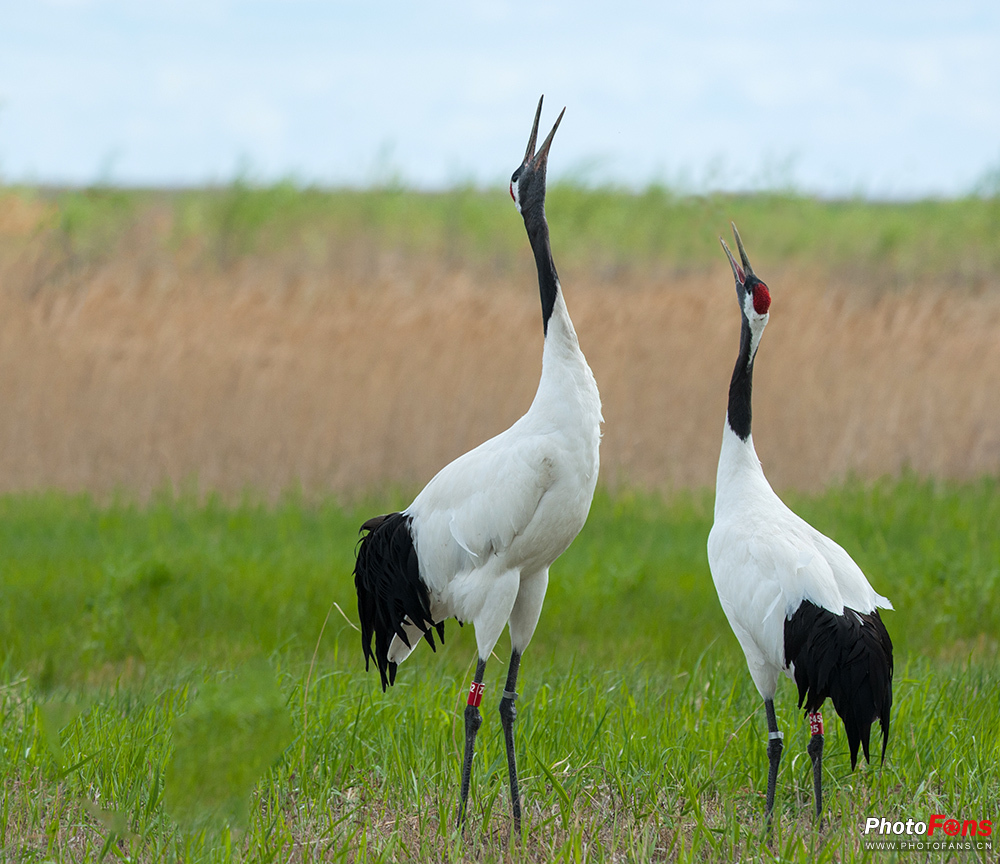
(815, 723)
(476, 694)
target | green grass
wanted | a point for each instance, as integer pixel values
(160, 702)
(602, 229)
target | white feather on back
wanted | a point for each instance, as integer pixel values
(503, 512)
(475, 506)
(765, 560)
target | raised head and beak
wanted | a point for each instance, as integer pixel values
(747, 283)
(755, 300)
(527, 183)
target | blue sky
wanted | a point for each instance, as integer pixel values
(885, 99)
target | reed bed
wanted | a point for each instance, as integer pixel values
(265, 339)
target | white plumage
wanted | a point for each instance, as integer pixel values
(797, 602)
(766, 560)
(477, 543)
(488, 525)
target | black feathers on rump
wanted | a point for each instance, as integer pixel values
(848, 658)
(387, 578)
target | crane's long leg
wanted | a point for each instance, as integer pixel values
(815, 751)
(473, 720)
(774, 746)
(508, 713)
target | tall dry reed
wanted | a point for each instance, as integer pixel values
(365, 367)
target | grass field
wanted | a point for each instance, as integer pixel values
(225, 383)
(160, 700)
(606, 228)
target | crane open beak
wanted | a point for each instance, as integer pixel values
(538, 160)
(534, 132)
(741, 273)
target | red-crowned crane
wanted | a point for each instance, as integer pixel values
(477, 543)
(796, 600)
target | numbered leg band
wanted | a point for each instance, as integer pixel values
(476, 693)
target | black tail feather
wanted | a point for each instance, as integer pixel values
(848, 658)
(390, 591)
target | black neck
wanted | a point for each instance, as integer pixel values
(741, 387)
(548, 279)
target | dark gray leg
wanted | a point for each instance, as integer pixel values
(473, 720)
(774, 746)
(508, 713)
(815, 751)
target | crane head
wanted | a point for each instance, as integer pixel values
(753, 295)
(527, 183)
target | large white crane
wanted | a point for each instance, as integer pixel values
(796, 600)
(477, 543)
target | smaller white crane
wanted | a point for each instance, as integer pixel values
(796, 600)
(477, 543)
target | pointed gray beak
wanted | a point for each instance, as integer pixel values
(741, 273)
(743, 252)
(538, 160)
(737, 270)
(542, 156)
(534, 132)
